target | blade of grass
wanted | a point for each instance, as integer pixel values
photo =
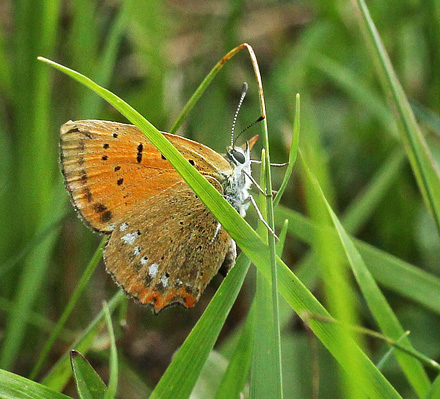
(29, 285)
(89, 384)
(350, 82)
(236, 374)
(5, 68)
(395, 274)
(292, 153)
(202, 87)
(434, 391)
(358, 212)
(376, 301)
(235, 377)
(180, 377)
(69, 308)
(61, 372)
(37, 240)
(290, 287)
(271, 365)
(90, 103)
(339, 294)
(13, 386)
(420, 157)
(31, 211)
(110, 393)
(266, 358)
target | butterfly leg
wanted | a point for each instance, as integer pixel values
(260, 216)
(254, 182)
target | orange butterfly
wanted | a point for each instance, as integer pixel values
(165, 245)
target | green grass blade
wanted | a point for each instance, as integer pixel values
(363, 206)
(31, 85)
(180, 377)
(110, 393)
(90, 103)
(61, 372)
(426, 116)
(416, 148)
(202, 87)
(292, 153)
(339, 295)
(13, 386)
(88, 383)
(376, 301)
(303, 302)
(361, 94)
(393, 273)
(29, 285)
(69, 308)
(37, 320)
(434, 391)
(266, 370)
(37, 240)
(236, 374)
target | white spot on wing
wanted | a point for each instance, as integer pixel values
(123, 226)
(112, 226)
(153, 269)
(129, 238)
(164, 281)
(144, 260)
(137, 251)
(219, 226)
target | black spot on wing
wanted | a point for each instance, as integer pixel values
(106, 216)
(139, 152)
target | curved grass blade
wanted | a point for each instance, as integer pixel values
(419, 155)
(202, 87)
(394, 273)
(376, 301)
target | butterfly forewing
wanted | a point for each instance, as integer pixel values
(109, 167)
(169, 249)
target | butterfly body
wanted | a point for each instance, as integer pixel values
(165, 245)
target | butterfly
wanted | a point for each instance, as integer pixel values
(165, 245)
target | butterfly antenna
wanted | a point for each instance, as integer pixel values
(234, 121)
(262, 117)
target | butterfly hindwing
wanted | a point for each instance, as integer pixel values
(169, 249)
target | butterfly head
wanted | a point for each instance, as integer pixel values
(239, 156)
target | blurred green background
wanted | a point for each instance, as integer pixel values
(154, 54)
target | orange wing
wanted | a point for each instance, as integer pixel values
(169, 249)
(109, 167)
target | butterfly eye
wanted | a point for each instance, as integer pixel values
(238, 156)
